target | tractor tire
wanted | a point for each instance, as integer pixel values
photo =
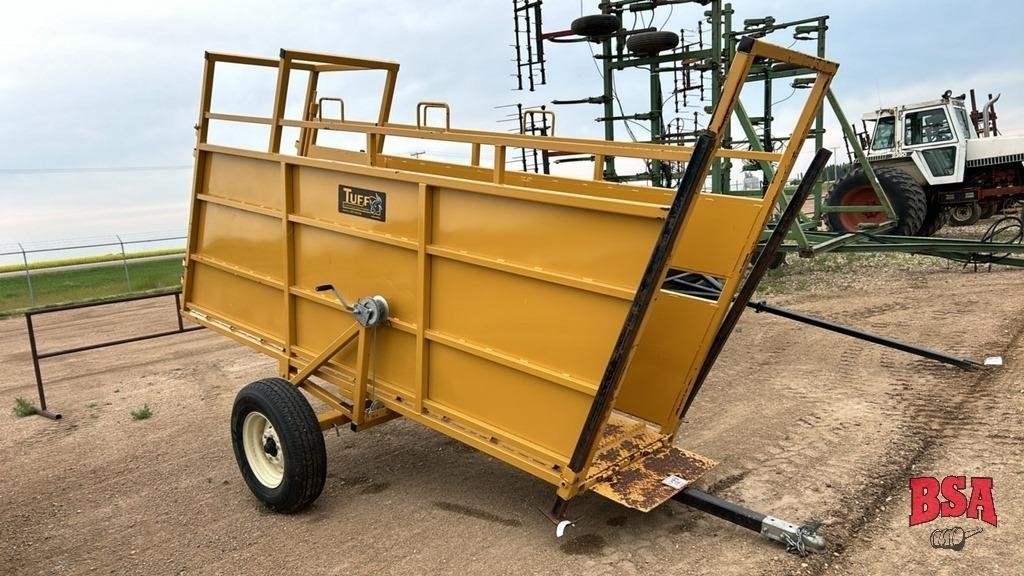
(964, 214)
(595, 25)
(278, 445)
(989, 209)
(650, 43)
(908, 201)
(934, 220)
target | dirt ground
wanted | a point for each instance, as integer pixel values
(805, 424)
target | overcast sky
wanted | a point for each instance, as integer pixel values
(116, 83)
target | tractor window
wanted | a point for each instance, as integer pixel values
(941, 161)
(926, 126)
(884, 131)
(961, 117)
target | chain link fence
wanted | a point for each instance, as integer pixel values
(39, 274)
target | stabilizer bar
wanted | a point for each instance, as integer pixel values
(957, 361)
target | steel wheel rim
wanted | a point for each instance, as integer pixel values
(863, 196)
(263, 450)
(961, 213)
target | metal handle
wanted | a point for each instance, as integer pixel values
(370, 311)
(320, 107)
(421, 114)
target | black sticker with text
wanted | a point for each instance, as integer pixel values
(363, 203)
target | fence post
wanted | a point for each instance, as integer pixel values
(28, 276)
(124, 260)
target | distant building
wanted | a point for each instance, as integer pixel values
(751, 181)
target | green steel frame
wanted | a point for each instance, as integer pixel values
(804, 237)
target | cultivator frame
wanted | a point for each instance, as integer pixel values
(244, 279)
(723, 34)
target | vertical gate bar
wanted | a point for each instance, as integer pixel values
(425, 237)
(35, 360)
(757, 272)
(288, 265)
(202, 132)
(650, 283)
(309, 112)
(284, 70)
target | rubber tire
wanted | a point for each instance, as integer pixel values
(934, 219)
(650, 43)
(305, 467)
(908, 198)
(595, 25)
(975, 215)
(989, 210)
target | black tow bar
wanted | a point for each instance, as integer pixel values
(802, 539)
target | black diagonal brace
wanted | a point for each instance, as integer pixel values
(757, 272)
(689, 187)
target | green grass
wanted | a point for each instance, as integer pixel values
(23, 408)
(142, 413)
(55, 287)
(42, 265)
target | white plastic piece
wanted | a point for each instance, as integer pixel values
(994, 361)
(674, 481)
(560, 529)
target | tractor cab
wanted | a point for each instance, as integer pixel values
(936, 162)
(932, 134)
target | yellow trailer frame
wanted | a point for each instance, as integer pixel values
(508, 292)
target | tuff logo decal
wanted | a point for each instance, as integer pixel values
(363, 203)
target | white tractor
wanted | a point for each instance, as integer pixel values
(937, 163)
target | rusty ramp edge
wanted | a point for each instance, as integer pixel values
(648, 482)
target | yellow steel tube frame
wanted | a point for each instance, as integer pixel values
(299, 363)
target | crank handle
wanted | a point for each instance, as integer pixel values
(330, 288)
(369, 312)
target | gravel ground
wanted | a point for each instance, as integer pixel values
(805, 424)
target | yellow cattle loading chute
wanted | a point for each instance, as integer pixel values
(519, 313)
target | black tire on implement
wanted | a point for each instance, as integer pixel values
(595, 25)
(964, 214)
(652, 42)
(934, 219)
(989, 210)
(304, 455)
(908, 199)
